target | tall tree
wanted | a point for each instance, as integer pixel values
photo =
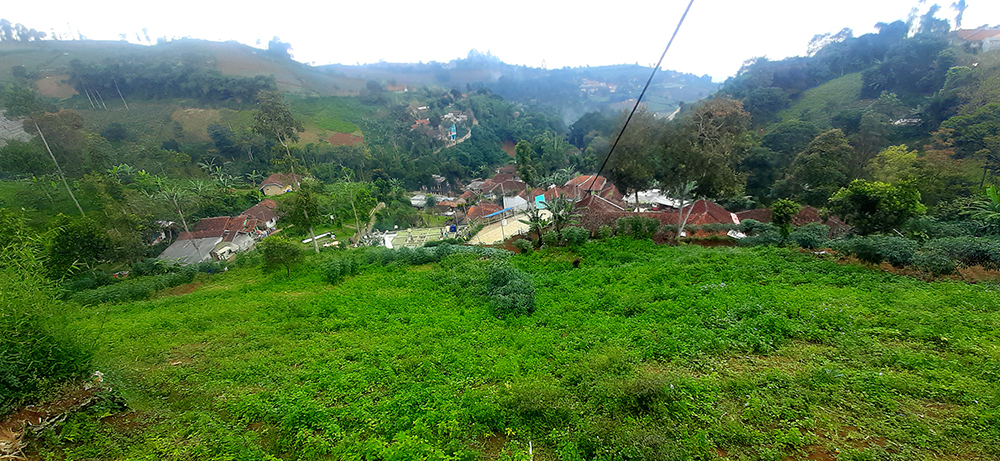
(273, 119)
(303, 211)
(22, 102)
(525, 164)
(631, 166)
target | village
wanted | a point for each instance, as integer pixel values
(489, 211)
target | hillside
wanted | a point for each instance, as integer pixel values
(644, 352)
(52, 59)
(571, 92)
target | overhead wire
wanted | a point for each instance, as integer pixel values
(641, 94)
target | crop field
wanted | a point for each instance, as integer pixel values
(642, 352)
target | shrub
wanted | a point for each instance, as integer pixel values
(136, 288)
(85, 281)
(153, 266)
(812, 235)
(551, 238)
(637, 227)
(524, 246)
(575, 236)
(874, 249)
(969, 251)
(934, 263)
(605, 232)
(753, 227)
(765, 238)
(512, 293)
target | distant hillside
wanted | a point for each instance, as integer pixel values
(570, 91)
(50, 63)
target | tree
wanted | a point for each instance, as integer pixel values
(818, 171)
(705, 148)
(782, 213)
(631, 166)
(21, 101)
(280, 252)
(274, 120)
(302, 210)
(876, 206)
(525, 165)
(77, 243)
(536, 223)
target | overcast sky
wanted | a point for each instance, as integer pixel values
(715, 40)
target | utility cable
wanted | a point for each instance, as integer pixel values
(637, 101)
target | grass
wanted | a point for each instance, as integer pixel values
(819, 104)
(644, 352)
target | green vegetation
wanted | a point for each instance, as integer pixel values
(643, 352)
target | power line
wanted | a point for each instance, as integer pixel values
(643, 93)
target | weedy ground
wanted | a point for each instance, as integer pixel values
(643, 352)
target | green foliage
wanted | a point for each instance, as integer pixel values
(77, 243)
(876, 206)
(969, 251)
(782, 213)
(819, 171)
(278, 252)
(637, 227)
(874, 249)
(36, 350)
(605, 232)
(511, 291)
(934, 263)
(551, 238)
(812, 235)
(575, 236)
(134, 289)
(524, 245)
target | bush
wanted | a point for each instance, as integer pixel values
(524, 246)
(969, 251)
(874, 249)
(551, 238)
(766, 238)
(934, 263)
(135, 289)
(575, 236)
(153, 266)
(605, 232)
(512, 293)
(85, 281)
(752, 227)
(812, 235)
(637, 227)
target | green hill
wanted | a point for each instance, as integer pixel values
(53, 59)
(818, 105)
(644, 352)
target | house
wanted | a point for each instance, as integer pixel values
(264, 212)
(279, 183)
(983, 39)
(216, 239)
(484, 208)
(587, 184)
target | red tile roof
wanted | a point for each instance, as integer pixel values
(976, 35)
(482, 209)
(587, 183)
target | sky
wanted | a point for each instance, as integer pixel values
(715, 39)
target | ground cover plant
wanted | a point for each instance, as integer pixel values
(640, 352)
